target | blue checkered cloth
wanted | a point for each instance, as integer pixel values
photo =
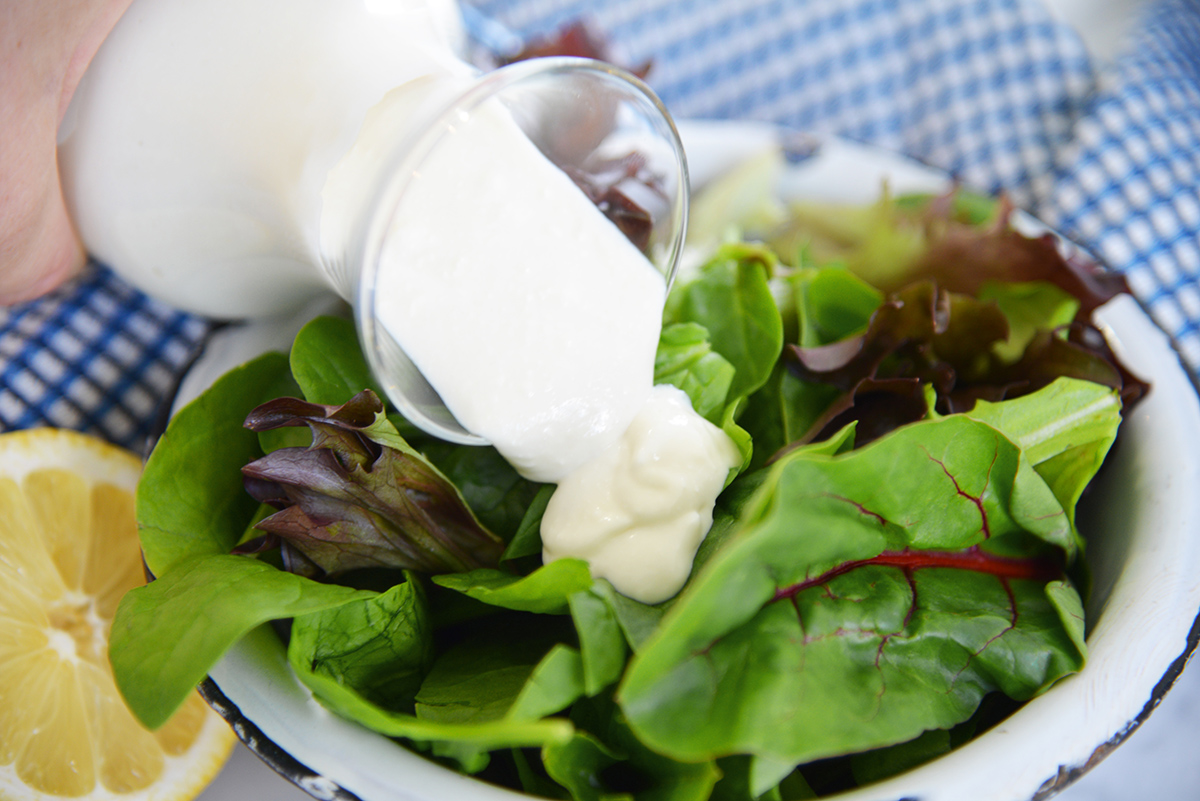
(97, 356)
(995, 92)
(1128, 183)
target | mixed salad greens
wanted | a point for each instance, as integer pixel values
(921, 400)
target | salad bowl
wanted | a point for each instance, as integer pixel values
(1141, 519)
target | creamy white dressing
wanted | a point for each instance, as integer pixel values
(219, 154)
(539, 338)
(547, 351)
(639, 511)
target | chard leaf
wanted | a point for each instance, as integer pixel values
(546, 590)
(360, 496)
(190, 500)
(685, 359)
(732, 300)
(380, 647)
(1065, 453)
(161, 645)
(867, 598)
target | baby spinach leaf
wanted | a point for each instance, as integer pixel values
(460, 716)
(532, 777)
(685, 359)
(546, 590)
(555, 684)
(731, 298)
(528, 539)
(861, 604)
(506, 673)
(328, 364)
(467, 741)
(600, 639)
(380, 646)
(605, 761)
(763, 419)
(636, 619)
(832, 303)
(161, 645)
(495, 492)
(579, 765)
(737, 780)
(190, 500)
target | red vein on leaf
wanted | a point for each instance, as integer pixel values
(977, 500)
(974, 559)
(862, 509)
(908, 616)
(1014, 616)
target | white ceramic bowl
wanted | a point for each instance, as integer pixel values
(1142, 521)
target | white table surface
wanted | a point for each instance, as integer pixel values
(1157, 762)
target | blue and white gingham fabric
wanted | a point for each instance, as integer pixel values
(994, 91)
(97, 356)
(1128, 183)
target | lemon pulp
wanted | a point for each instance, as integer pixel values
(68, 552)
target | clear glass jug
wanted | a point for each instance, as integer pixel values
(238, 158)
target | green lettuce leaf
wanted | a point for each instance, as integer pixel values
(731, 299)
(685, 359)
(360, 496)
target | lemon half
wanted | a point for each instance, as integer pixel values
(68, 552)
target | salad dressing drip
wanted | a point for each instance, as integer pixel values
(224, 169)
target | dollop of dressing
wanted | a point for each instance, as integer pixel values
(638, 512)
